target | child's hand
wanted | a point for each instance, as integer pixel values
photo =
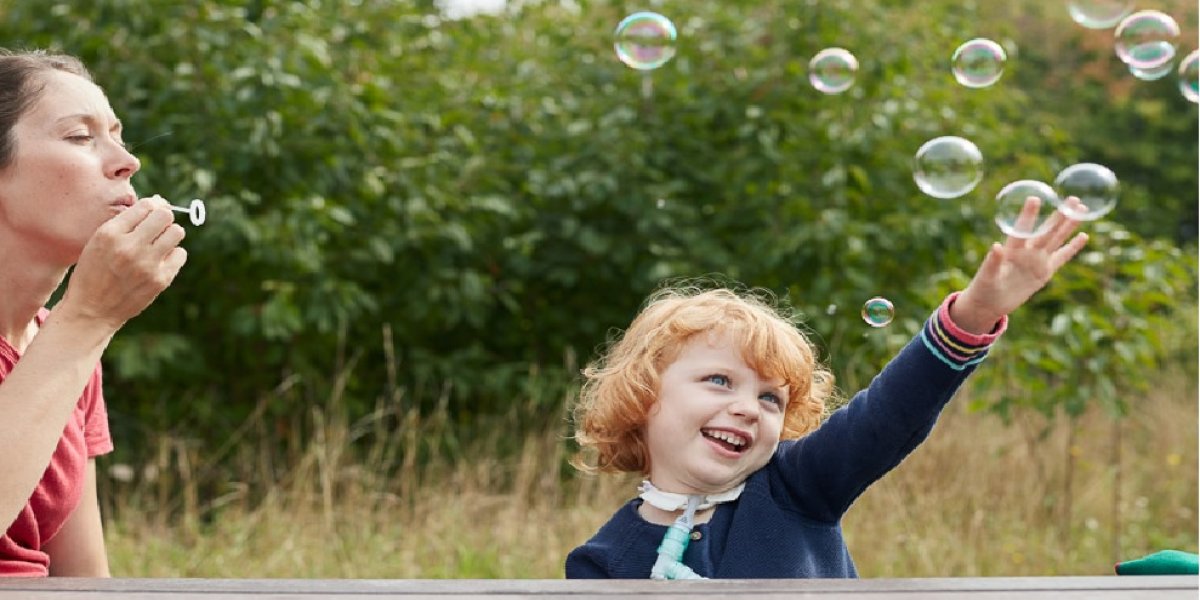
(1013, 272)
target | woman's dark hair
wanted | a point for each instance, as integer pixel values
(21, 86)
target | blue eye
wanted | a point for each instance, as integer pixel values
(771, 398)
(720, 380)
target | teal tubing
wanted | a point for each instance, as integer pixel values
(669, 563)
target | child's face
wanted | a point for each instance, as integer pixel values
(716, 421)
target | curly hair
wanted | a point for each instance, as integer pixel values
(622, 385)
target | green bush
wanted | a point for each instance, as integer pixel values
(466, 209)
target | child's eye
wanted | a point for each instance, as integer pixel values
(720, 380)
(83, 139)
(771, 398)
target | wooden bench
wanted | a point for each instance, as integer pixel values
(984, 588)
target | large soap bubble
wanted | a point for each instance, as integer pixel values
(978, 63)
(1146, 39)
(1099, 14)
(1095, 185)
(1189, 76)
(1153, 74)
(947, 167)
(1018, 215)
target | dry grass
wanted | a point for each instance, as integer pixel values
(979, 498)
(1036, 498)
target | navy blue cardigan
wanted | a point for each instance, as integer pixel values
(786, 524)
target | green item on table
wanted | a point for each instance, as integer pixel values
(1164, 562)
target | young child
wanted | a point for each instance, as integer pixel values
(717, 400)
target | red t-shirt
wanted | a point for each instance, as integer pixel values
(57, 494)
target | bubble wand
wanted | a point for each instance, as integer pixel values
(195, 211)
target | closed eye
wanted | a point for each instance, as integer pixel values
(82, 139)
(721, 380)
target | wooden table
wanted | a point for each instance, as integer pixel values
(984, 588)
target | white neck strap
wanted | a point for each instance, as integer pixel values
(670, 501)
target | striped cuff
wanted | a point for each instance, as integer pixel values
(956, 348)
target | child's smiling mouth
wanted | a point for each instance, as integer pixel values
(728, 441)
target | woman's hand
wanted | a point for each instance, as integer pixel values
(1011, 273)
(125, 265)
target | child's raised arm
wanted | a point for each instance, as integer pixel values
(1011, 273)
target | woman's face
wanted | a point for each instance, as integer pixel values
(70, 171)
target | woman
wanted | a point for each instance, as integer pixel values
(66, 198)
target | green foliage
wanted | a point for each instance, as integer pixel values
(1108, 327)
(450, 207)
(1139, 129)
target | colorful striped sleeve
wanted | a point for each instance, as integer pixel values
(956, 348)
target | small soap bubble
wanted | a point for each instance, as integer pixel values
(645, 40)
(978, 63)
(1099, 14)
(1095, 185)
(1146, 39)
(947, 167)
(832, 70)
(1189, 76)
(1017, 217)
(878, 312)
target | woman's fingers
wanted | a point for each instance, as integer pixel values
(129, 260)
(169, 238)
(159, 218)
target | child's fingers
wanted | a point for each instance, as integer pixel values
(1051, 238)
(1064, 254)
(1025, 220)
(990, 268)
(1062, 225)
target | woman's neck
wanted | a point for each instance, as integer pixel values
(27, 290)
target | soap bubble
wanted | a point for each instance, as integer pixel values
(878, 312)
(978, 63)
(645, 40)
(1099, 14)
(1019, 218)
(832, 70)
(1189, 76)
(947, 167)
(1146, 39)
(1153, 74)
(1095, 185)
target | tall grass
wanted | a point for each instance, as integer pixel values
(352, 500)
